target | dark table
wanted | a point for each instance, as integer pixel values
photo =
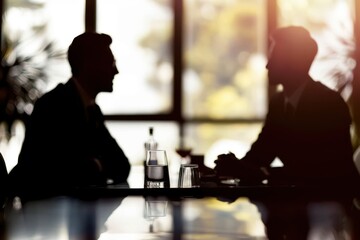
(213, 211)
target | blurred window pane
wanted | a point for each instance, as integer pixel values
(214, 139)
(141, 32)
(331, 24)
(36, 36)
(131, 137)
(225, 52)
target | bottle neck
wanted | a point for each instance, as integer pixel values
(151, 143)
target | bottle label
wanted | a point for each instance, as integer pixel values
(151, 184)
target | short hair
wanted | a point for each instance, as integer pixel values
(86, 46)
(298, 43)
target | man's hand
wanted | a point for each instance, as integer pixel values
(229, 166)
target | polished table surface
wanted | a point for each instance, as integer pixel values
(212, 211)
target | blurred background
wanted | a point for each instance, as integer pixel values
(192, 69)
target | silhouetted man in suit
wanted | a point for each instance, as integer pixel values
(66, 142)
(307, 127)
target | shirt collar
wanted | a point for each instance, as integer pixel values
(294, 98)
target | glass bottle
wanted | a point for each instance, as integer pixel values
(151, 143)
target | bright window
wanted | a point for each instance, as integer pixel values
(225, 51)
(141, 32)
(331, 24)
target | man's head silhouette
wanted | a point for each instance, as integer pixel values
(291, 54)
(92, 62)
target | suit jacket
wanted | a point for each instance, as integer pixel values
(314, 144)
(61, 143)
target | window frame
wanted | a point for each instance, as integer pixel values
(176, 115)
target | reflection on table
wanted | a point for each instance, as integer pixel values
(216, 213)
(137, 218)
(212, 211)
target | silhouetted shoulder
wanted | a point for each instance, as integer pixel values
(62, 96)
(331, 103)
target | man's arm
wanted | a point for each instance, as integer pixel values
(114, 162)
(262, 152)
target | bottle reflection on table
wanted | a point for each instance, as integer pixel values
(154, 208)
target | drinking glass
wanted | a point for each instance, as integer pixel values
(156, 170)
(189, 176)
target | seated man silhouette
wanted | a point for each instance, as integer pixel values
(307, 125)
(66, 142)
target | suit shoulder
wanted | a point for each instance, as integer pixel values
(320, 88)
(53, 96)
(49, 101)
(331, 100)
(53, 93)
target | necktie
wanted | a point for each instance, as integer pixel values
(289, 110)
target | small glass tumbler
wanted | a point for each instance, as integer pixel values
(189, 176)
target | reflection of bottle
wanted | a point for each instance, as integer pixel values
(151, 143)
(155, 207)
